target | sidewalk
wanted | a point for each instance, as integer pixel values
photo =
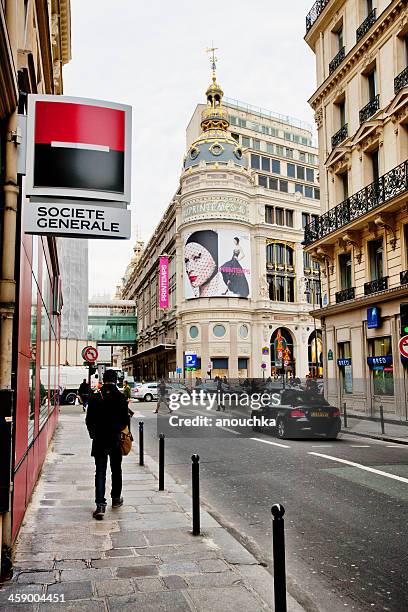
(367, 428)
(140, 557)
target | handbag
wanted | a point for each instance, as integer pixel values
(125, 441)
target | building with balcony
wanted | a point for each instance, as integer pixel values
(360, 238)
(239, 284)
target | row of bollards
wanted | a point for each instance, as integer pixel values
(277, 510)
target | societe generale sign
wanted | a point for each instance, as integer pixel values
(78, 148)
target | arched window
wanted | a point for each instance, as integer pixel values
(281, 277)
(282, 352)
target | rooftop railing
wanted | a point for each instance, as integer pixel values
(315, 13)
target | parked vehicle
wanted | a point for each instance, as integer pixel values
(146, 392)
(299, 413)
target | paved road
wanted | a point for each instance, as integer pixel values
(346, 508)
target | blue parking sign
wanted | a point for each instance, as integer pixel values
(190, 360)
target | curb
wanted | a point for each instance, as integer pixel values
(384, 437)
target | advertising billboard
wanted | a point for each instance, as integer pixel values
(163, 282)
(78, 148)
(217, 263)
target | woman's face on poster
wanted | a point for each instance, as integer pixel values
(199, 263)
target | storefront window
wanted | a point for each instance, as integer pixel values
(345, 366)
(382, 373)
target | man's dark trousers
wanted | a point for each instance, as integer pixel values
(101, 463)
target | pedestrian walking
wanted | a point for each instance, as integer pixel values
(83, 393)
(106, 417)
(127, 392)
(162, 397)
(220, 395)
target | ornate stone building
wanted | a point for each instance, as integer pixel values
(240, 289)
(361, 237)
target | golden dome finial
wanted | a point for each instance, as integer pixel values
(213, 61)
(214, 116)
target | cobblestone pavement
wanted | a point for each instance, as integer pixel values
(140, 557)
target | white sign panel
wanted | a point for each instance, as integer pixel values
(90, 221)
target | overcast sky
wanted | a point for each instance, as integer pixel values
(151, 55)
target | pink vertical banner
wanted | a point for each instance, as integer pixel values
(164, 282)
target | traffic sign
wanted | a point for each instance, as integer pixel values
(403, 346)
(263, 365)
(265, 350)
(179, 370)
(90, 354)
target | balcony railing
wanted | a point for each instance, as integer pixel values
(378, 284)
(315, 13)
(401, 80)
(339, 136)
(336, 61)
(345, 295)
(369, 109)
(404, 277)
(385, 188)
(366, 25)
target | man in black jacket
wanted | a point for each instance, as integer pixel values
(107, 415)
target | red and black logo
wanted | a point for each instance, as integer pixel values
(79, 146)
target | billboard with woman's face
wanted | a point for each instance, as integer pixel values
(217, 263)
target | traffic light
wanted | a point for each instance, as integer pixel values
(404, 318)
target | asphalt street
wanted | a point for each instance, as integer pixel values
(346, 506)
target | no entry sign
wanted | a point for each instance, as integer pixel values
(403, 346)
(90, 354)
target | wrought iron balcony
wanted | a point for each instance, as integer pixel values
(387, 187)
(339, 136)
(401, 80)
(345, 295)
(378, 284)
(369, 109)
(366, 25)
(404, 277)
(315, 13)
(336, 61)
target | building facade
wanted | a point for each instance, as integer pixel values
(240, 289)
(34, 45)
(361, 236)
(73, 257)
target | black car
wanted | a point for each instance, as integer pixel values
(298, 414)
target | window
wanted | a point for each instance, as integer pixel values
(279, 254)
(246, 142)
(311, 159)
(289, 218)
(243, 331)
(242, 363)
(219, 331)
(344, 186)
(317, 193)
(270, 147)
(266, 164)
(281, 288)
(291, 170)
(273, 184)
(346, 281)
(255, 162)
(242, 122)
(302, 156)
(315, 218)
(262, 181)
(283, 186)
(193, 331)
(220, 363)
(310, 175)
(235, 136)
(341, 106)
(375, 165)
(279, 216)
(344, 352)
(288, 136)
(233, 120)
(308, 191)
(300, 172)
(269, 214)
(289, 153)
(383, 379)
(372, 84)
(279, 150)
(257, 144)
(276, 166)
(340, 38)
(299, 188)
(375, 251)
(305, 220)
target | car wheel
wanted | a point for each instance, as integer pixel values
(148, 397)
(70, 398)
(281, 429)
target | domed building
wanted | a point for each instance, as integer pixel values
(238, 291)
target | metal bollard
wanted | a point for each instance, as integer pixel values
(345, 414)
(161, 462)
(279, 564)
(195, 474)
(382, 419)
(141, 443)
